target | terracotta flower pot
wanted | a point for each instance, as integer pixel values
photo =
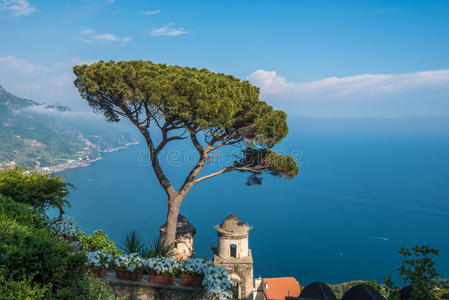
(128, 275)
(162, 279)
(98, 271)
(192, 281)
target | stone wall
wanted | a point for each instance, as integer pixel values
(144, 290)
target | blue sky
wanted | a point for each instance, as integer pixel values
(326, 59)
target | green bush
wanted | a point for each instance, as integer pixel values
(34, 263)
(34, 252)
(98, 240)
(29, 251)
(443, 294)
(36, 189)
(25, 289)
(20, 212)
(88, 288)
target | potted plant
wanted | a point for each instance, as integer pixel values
(129, 267)
(162, 270)
(192, 272)
(98, 262)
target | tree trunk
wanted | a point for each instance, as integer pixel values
(172, 220)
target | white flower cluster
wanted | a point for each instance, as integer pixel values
(100, 258)
(64, 227)
(131, 262)
(216, 279)
(216, 282)
(162, 265)
(195, 267)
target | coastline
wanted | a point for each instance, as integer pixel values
(72, 163)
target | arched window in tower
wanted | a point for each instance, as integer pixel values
(234, 250)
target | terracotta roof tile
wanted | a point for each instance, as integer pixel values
(279, 288)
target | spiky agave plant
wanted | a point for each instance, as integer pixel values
(157, 248)
(132, 243)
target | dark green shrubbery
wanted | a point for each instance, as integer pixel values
(98, 240)
(34, 263)
(29, 251)
(41, 191)
(21, 213)
(25, 289)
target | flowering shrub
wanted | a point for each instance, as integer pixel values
(193, 267)
(216, 282)
(100, 258)
(216, 279)
(64, 227)
(130, 262)
(163, 265)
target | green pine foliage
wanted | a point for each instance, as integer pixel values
(219, 106)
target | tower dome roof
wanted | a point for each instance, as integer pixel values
(182, 226)
(233, 224)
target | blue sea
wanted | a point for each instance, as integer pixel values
(365, 189)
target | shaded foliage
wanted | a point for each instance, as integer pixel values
(418, 269)
(158, 247)
(34, 253)
(41, 191)
(132, 243)
(98, 240)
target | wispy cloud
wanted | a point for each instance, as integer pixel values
(152, 12)
(110, 37)
(168, 30)
(43, 83)
(103, 36)
(21, 65)
(337, 87)
(17, 7)
(424, 92)
(87, 31)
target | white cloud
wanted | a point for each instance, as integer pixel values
(152, 12)
(43, 83)
(17, 7)
(87, 31)
(91, 35)
(167, 30)
(18, 64)
(425, 92)
(338, 87)
(50, 111)
(110, 37)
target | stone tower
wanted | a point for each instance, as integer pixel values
(184, 238)
(233, 254)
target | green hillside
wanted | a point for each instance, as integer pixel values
(43, 136)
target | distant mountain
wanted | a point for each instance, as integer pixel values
(52, 137)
